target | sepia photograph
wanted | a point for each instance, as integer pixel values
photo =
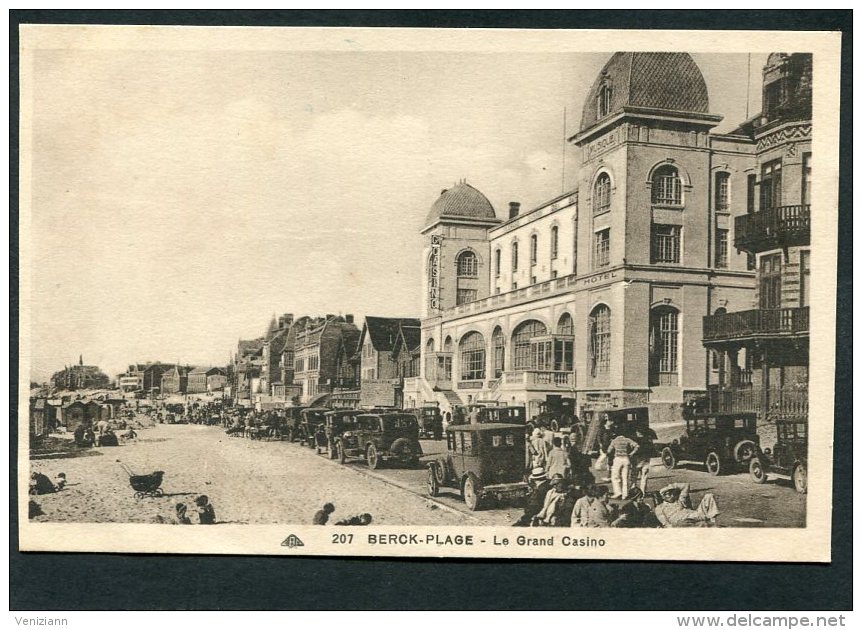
(427, 292)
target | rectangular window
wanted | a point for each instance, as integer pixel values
(770, 185)
(770, 281)
(751, 262)
(602, 251)
(554, 274)
(721, 248)
(805, 278)
(722, 192)
(514, 286)
(497, 291)
(514, 257)
(466, 295)
(555, 242)
(534, 249)
(533, 280)
(752, 193)
(564, 352)
(806, 179)
(497, 255)
(665, 243)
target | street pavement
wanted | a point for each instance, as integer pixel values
(256, 481)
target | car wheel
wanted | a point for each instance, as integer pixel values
(744, 451)
(668, 458)
(471, 493)
(713, 463)
(555, 426)
(372, 457)
(433, 484)
(342, 456)
(800, 478)
(756, 470)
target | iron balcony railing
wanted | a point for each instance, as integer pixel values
(782, 226)
(760, 321)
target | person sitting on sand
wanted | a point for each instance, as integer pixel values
(40, 484)
(182, 517)
(206, 512)
(321, 517)
(60, 481)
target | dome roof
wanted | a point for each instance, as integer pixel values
(670, 81)
(461, 201)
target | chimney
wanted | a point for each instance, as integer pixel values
(514, 208)
(349, 318)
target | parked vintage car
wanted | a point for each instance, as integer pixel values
(631, 421)
(311, 418)
(554, 414)
(483, 461)
(788, 457)
(722, 441)
(485, 414)
(382, 437)
(430, 421)
(336, 423)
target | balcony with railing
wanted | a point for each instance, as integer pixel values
(539, 379)
(760, 322)
(771, 404)
(783, 226)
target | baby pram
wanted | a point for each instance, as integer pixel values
(145, 485)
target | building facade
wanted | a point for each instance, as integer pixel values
(203, 379)
(378, 371)
(760, 351)
(322, 353)
(175, 380)
(598, 294)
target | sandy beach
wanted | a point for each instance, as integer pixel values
(246, 481)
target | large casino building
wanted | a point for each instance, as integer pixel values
(600, 294)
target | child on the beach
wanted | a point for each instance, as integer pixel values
(60, 481)
(206, 512)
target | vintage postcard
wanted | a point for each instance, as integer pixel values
(420, 292)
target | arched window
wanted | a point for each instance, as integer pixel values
(534, 249)
(468, 265)
(472, 349)
(555, 242)
(600, 340)
(499, 343)
(603, 101)
(664, 337)
(447, 345)
(602, 194)
(565, 325)
(722, 191)
(429, 345)
(666, 186)
(521, 342)
(515, 256)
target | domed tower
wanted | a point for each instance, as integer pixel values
(457, 248)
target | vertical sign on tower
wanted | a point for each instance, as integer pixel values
(434, 273)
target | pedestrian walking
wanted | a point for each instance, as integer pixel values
(621, 449)
(558, 460)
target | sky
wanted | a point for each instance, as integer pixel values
(180, 198)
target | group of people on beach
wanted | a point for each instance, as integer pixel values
(321, 517)
(564, 492)
(202, 511)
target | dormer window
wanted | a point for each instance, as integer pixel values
(603, 105)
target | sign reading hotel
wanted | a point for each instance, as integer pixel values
(434, 275)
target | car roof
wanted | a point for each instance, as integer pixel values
(488, 426)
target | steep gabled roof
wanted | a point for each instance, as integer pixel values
(383, 331)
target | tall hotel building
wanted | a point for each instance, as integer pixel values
(599, 294)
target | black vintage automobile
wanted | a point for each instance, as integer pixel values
(335, 424)
(789, 455)
(382, 437)
(430, 421)
(311, 419)
(631, 421)
(485, 414)
(554, 414)
(722, 441)
(483, 461)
